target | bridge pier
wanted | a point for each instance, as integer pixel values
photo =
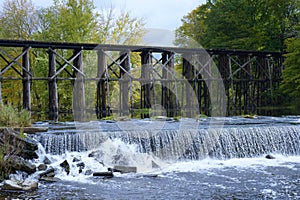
(146, 84)
(124, 83)
(52, 86)
(167, 97)
(78, 88)
(26, 80)
(101, 106)
(187, 72)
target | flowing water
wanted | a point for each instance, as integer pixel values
(211, 158)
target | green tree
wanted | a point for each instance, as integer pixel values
(241, 24)
(68, 21)
(18, 20)
(291, 73)
(193, 27)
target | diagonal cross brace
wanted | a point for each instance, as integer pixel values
(203, 67)
(67, 62)
(14, 61)
(119, 63)
(240, 66)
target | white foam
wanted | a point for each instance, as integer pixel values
(258, 162)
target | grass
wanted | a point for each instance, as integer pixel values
(12, 117)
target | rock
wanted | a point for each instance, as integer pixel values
(270, 156)
(17, 163)
(154, 165)
(124, 169)
(26, 147)
(11, 185)
(47, 161)
(95, 154)
(29, 185)
(48, 173)
(49, 179)
(76, 159)
(25, 185)
(66, 166)
(105, 174)
(42, 167)
(88, 172)
(110, 121)
(81, 164)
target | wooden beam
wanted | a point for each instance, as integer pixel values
(52, 84)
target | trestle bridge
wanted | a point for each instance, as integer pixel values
(142, 81)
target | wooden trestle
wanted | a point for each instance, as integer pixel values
(169, 81)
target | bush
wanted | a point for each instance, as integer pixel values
(9, 116)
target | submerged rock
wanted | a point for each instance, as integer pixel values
(88, 172)
(155, 165)
(49, 179)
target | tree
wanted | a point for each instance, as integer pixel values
(291, 74)
(68, 21)
(18, 20)
(241, 24)
(64, 21)
(193, 27)
(120, 29)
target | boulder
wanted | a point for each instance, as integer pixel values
(23, 147)
(48, 173)
(16, 163)
(66, 166)
(23, 185)
(42, 167)
(76, 159)
(47, 161)
(11, 185)
(29, 185)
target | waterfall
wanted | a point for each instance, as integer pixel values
(221, 143)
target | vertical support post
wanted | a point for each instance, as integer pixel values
(52, 84)
(101, 89)
(187, 72)
(124, 83)
(146, 82)
(232, 85)
(78, 88)
(167, 95)
(1, 102)
(26, 80)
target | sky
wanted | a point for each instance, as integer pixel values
(159, 14)
(161, 17)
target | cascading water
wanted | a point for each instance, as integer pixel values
(172, 145)
(185, 159)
